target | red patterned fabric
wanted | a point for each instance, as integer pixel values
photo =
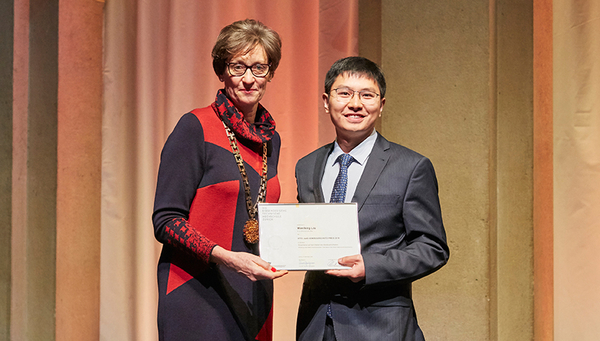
(260, 131)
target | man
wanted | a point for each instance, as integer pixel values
(401, 231)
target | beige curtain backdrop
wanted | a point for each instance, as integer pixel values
(445, 62)
(576, 169)
(157, 67)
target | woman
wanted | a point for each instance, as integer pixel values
(218, 162)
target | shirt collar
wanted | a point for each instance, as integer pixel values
(360, 153)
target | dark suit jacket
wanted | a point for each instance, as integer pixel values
(402, 239)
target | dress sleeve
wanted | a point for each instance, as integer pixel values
(181, 169)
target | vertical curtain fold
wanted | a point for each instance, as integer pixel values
(576, 71)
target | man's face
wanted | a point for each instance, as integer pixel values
(353, 118)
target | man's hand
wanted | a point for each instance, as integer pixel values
(357, 271)
(244, 263)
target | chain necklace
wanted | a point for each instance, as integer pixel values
(251, 226)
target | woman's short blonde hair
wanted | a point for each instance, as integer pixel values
(240, 38)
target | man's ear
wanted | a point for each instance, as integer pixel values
(326, 102)
(381, 108)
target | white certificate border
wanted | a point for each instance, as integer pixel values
(274, 205)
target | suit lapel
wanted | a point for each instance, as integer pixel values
(375, 164)
(319, 170)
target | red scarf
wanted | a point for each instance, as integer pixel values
(260, 131)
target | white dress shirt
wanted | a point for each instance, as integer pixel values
(360, 153)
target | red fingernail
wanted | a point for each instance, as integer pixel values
(273, 269)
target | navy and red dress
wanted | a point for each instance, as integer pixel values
(200, 203)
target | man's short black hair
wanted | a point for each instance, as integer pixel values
(359, 66)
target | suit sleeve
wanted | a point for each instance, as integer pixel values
(423, 249)
(181, 169)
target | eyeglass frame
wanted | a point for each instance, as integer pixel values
(353, 92)
(248, 68)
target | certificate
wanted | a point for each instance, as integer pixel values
(307, 236)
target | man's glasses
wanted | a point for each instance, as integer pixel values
(239, 69)
(344, 95)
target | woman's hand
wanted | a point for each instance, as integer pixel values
(247, 264)
(356, 273)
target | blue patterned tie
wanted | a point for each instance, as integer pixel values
(338, 194)
(341, 182)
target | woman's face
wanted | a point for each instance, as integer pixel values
(247, 90)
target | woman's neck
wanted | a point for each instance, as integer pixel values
(250, 114)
